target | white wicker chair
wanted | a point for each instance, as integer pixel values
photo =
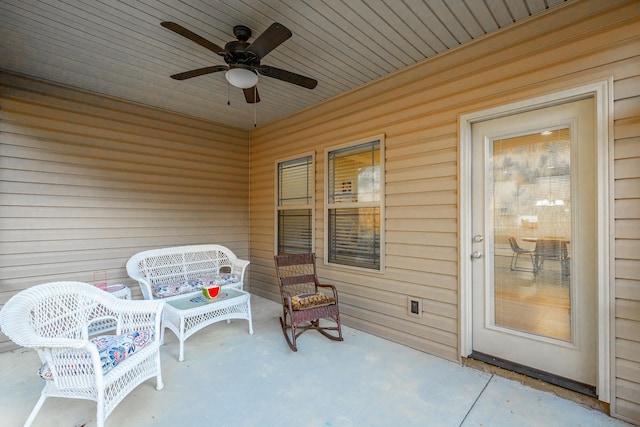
(56, 319)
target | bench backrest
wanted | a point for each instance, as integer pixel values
(169, 265)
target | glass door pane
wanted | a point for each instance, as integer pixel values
(530, 178)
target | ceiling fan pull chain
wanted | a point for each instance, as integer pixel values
(228, 94)
(255, 106)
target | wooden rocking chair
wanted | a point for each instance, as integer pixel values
(303, 303)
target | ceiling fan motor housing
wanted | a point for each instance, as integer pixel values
(236, 49)
(238, 54)
(242, 32)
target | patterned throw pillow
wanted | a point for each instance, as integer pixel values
(112, 350)
(306, 301)
(177, 288)
(221, 279)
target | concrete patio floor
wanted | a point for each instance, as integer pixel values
(230, 378)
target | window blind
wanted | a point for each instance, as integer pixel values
(294, 206)
(353, 200)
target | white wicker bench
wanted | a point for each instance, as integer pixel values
(177, 274)
(170, 272)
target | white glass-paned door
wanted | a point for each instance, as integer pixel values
(534, 228)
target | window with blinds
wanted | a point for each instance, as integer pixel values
(294, 206)
(354, 204)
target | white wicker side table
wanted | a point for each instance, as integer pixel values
(187, 315)
(119, 291)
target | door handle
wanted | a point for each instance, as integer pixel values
(478, 238)
(476, 255)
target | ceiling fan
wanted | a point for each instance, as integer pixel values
(243, 58)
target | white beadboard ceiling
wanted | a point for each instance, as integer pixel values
(118, 48)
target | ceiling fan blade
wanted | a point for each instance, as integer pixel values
(199, 72)
(269, 40)
(251, 95)
(177, 28)
(287, 76)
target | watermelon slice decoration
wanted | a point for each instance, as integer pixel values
(211, 292)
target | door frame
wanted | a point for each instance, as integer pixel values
(603, 98)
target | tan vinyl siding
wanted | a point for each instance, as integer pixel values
(87, 181)
(417, 109)
(626, 266)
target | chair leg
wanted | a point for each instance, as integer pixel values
(35, 410)
(100, 408)
(564, 265)
(159, 383)
(540, 263)
(514, 264)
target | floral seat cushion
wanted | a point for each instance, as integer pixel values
(306, 301)
(193, 285)
(112, 350)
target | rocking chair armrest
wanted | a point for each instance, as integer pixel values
(286, 300)
(333, 289)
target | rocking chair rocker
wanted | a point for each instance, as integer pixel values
(303, 304)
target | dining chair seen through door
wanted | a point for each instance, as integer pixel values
(517, 252)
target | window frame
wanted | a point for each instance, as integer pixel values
(310, 206)
(377, 204)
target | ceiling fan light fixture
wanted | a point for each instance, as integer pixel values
(241, 78)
